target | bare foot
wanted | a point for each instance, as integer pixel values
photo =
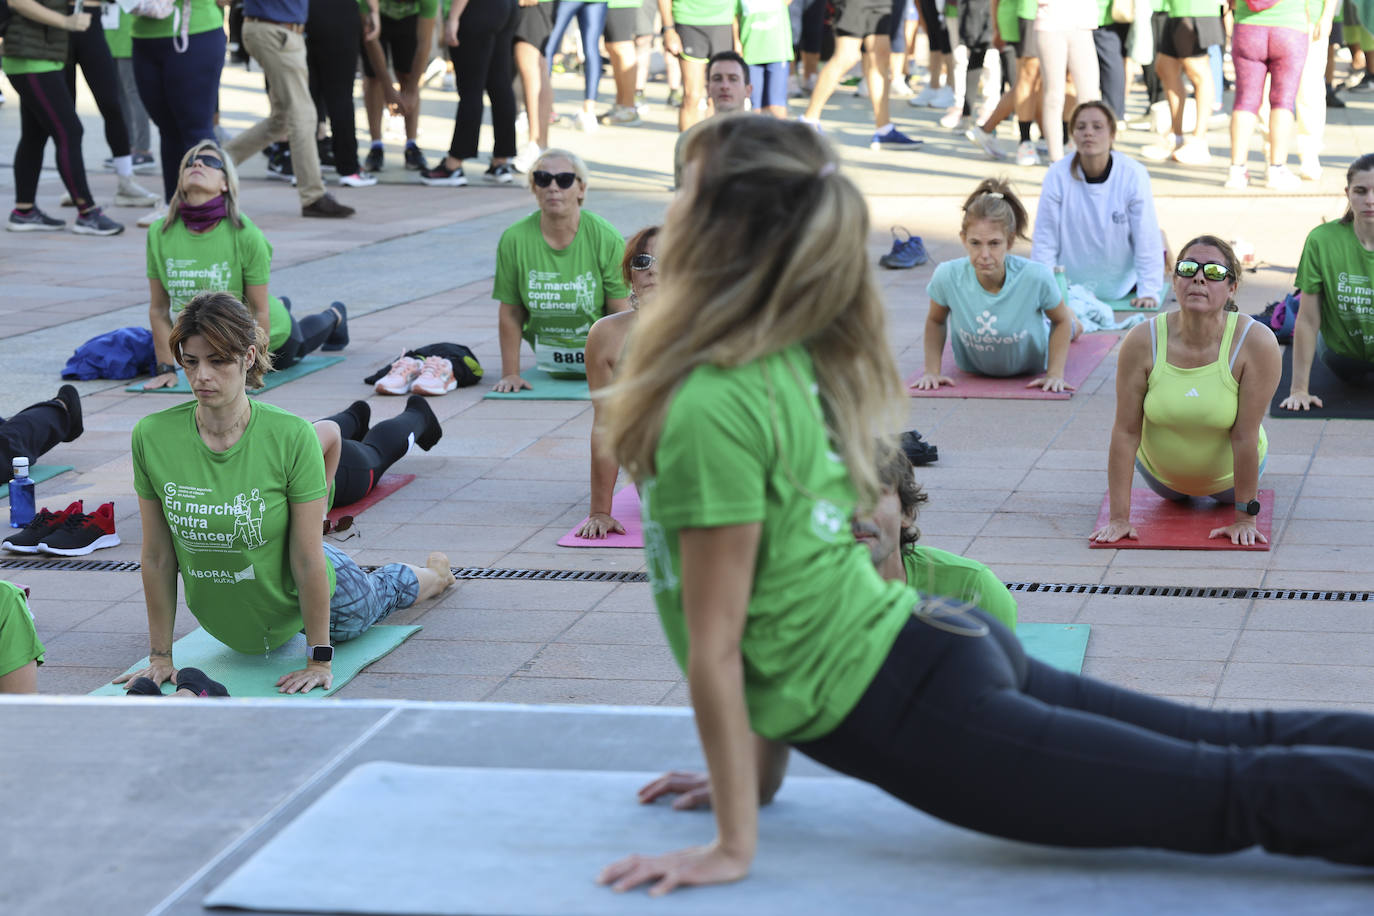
(439, 563)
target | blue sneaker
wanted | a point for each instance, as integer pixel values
(894, 139)
(907, 251)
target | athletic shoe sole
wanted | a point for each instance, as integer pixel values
(105, 540)
(91, 230)
(457, 181)
(122, 200)
(452, 384)
(20, 548)
(33, 227)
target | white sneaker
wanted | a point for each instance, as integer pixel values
(1193, 152)
(943, 98)
(148, 219)
(1281, 179)
(861, 90)
(987, 141)
(922, 98)
(358, 180)
(622, 115)
(1026, 154)
(586, 122)
(527, 156)
(1161, 149)
(130, 194)
(1237, 178)
(952, 119)
(1310, 168)
(901, 89)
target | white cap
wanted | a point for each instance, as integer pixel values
(21, 467)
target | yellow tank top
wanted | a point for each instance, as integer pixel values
(1185, 438)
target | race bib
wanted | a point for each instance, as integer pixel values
(561, 359)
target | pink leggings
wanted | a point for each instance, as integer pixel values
(1279, 51)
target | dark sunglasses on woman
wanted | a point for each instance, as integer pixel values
(206, 159)
(642, 262)
(1187, 269)
(565, 180)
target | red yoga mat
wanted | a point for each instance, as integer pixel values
(1084, 355)
(389, 484)
(1166, 525)
(624, 509)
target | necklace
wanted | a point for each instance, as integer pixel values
(240, 422)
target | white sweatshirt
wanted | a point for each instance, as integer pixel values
(1105, 235)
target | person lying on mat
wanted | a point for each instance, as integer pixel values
(205, 244)
(1006, 313)
(357, 454)
(1096, 216)
(231, 493)
(1191, 388)
(747, 411)
(557, 271)
(605, 342)
(21, 652)
(36, 429)
(1336, 309)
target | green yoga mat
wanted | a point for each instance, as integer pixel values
(39, 473)
(1059, 645)
(274, 378)
(256, 675)
(1124, 305)
(546, 388)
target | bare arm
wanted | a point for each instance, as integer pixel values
(509, 321)
(160, 323)
(603, 346)
(693, 789)
(255, 297)
(934, 345)
(305, 549)
(1304, 350)
(1258, 367)
(37, 12)
(1132, 380)
(672, 43)
(1061, 335)
(451, 26)
(158, 562)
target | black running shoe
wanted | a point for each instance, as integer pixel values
(443, 177)
(415, 160)
(280, 166)
(325, 146)
(374, 160)
(81, 534)
(95, 222)
(44, 524)
(33, 220)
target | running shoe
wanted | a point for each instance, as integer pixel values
(81, 534)
(279, 166)
(358, 180)
(907, 251)
(325, 147)
(415, 160)
(130, 194)
(143, 163)
(674, 98)
(443, 177)
(1333, 100)
(1161, 150)
(901, 89)
(1026, 154)
(1237, 178)
(529, 153)
(95, 222)
(894, 139)
(585, 121)
(1281, 179)
(1366, 84)
(500, 174)
(151, 217)
(338, 338)
(622, 116)
(641, 102)
(44, 524)
(33, 220)
(953, 119)
(922, 98)
(986, 140)
(403, 374)
(374, 160)
(436, 378)
(942, 98)
(1310, 168)
(1193, 152)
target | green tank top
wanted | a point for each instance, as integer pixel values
(1185, 438)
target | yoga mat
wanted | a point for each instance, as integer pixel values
(624, 509)
(1166, 525)
(39, 473)
(1124, 305)
(1340, 400)
(1059, 645)
(256, 675)
(273, 379)
(546, 388)
(1084, 355)
(389, 484)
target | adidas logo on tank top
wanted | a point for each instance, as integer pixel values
(1192, 393)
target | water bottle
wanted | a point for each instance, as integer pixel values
(1062, 278)
(21, 495)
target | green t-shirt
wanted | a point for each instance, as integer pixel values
(765, 31)
(1335, 266)
(938, 572)
(749, 444)
(626, 5)
(20, 65)
(1008, 21)
(224, 259)
(1288, 14)
(120, 38)
(1198, 8)
(1028, 9)
(400, 9)
(562, 292)
(230, 515)
(206, 16)
(19, 643)
(704, 12)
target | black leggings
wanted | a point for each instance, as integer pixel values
(970, 730)
(90, 52)
(31, 432)
(46, 110)
(307, 336)
(937, 36)
(484, 61)
(333, 36)
(362, 462)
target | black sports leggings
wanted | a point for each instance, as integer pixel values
(970, 730)
(483, 61)
(90, 52)
(365, 456)
(46, 110)
(31, 432)
(333, 37)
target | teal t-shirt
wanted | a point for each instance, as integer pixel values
(704, 12)
(997, 334)
(1198, 8)
(206, 16)
(749, 444)
(562, 292)
(1287, 14)
(1335, 266)
(224, 259)
(765, 31)
(938, 572)
(229, 513)
(119, 28)
(19, 643)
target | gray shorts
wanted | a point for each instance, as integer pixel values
(363, 599)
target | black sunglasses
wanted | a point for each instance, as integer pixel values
(213, 162)
(543, 179)
(342, 525)
(642, 261)
(1187, 269)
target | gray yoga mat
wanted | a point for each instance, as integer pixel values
(401, 839)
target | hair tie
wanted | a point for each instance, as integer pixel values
(997, 194)
(827, 169)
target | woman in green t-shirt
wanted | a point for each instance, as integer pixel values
(206, 244)
(231, 494)
(1336, 312)
(748, 409)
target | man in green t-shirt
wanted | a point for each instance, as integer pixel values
(694, 31)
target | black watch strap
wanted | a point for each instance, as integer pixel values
(1252, 507)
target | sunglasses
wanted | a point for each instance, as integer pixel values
(339, 527)
(642, 261)
(1188, 269)
(543, 179)
(213, 162)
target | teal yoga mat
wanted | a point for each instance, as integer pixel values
(546, 388)
(39, 473)
(256, 675)
(1059, 645)
(274, 378)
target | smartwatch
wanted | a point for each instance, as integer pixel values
(1250, 508)
(320, 653)
(164, 368)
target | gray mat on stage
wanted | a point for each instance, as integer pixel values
(403, 839)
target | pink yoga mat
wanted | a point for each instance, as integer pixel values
(389, 484)
(1084, 355)
(1166, 525)
(624, 509)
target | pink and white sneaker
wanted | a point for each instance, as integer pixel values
(436, 378)
(402, 376)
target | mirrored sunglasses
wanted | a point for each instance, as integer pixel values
(1188, 269)
(565, 180)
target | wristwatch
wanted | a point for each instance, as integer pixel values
(1250, 508)
(320, 653)
(164, 368)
